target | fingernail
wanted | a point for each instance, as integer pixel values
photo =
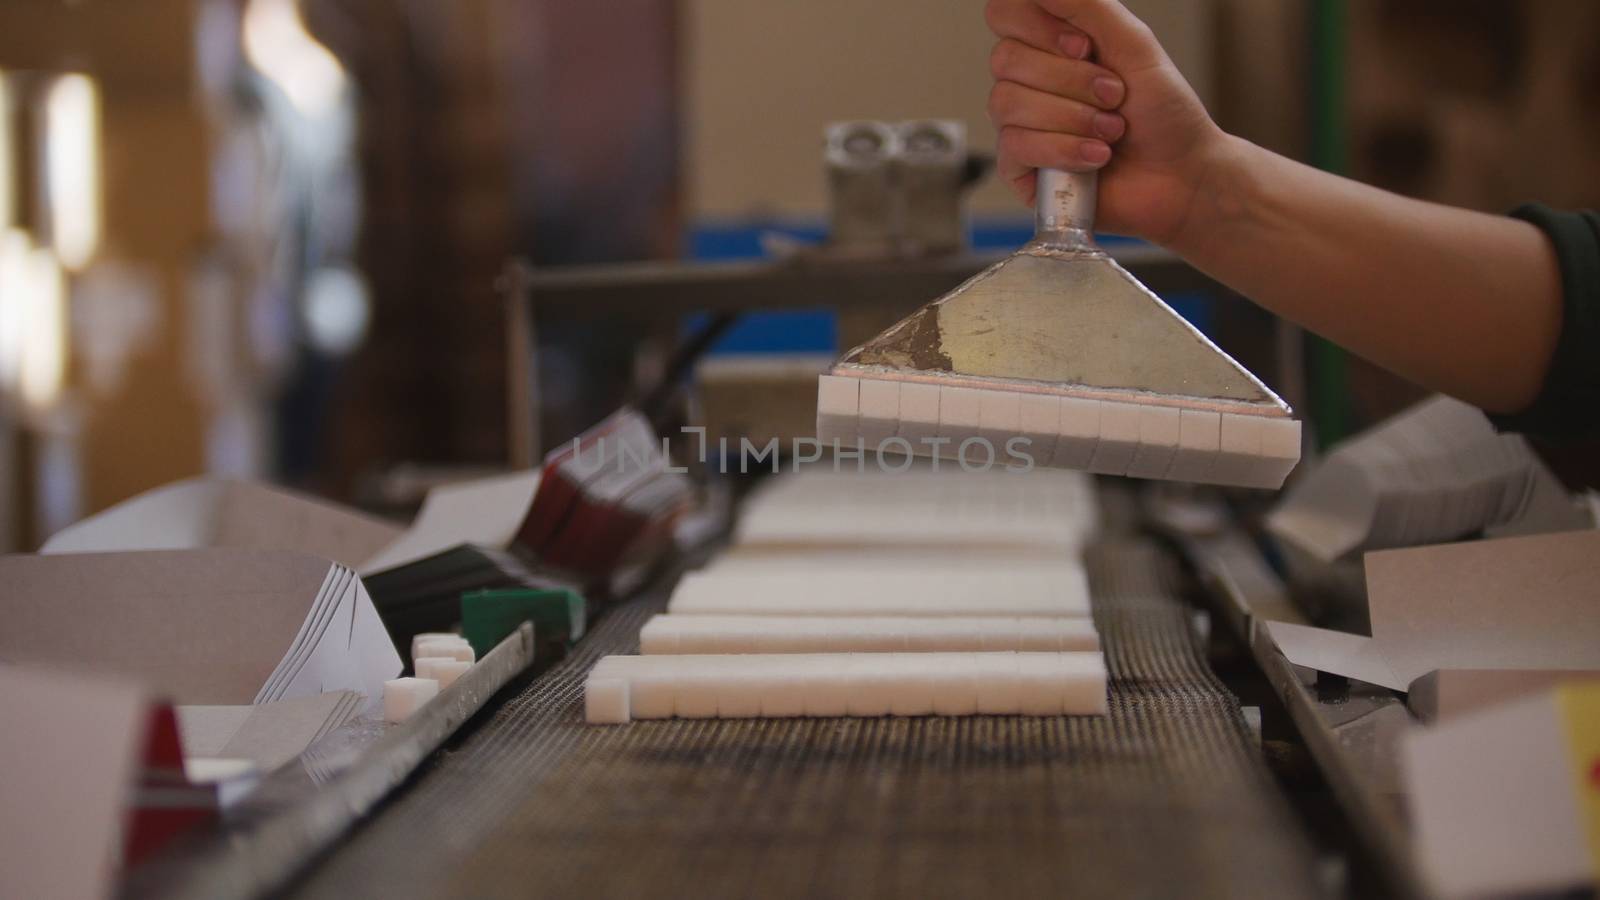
(1108, 126)
(1109, 90)
(1095, 153)
(1076, 46)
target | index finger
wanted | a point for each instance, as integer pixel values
(1121, 36)
(1026, 21)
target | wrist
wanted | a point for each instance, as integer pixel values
(1222, 184)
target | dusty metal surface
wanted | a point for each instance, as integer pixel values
(1058, 318)
(1167, 796)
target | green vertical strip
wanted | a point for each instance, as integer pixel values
(1330, 151)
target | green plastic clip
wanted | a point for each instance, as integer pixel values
(489, 616)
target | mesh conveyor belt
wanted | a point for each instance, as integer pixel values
(1166, 797)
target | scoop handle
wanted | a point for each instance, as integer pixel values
(1064, 207)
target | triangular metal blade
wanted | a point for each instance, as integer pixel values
(1062, 319)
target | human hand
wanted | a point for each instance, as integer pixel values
(1083, 85)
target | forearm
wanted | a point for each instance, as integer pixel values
(1461, 302)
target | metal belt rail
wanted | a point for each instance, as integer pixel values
(1352, 730)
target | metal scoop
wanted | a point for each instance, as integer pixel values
(1060, 345)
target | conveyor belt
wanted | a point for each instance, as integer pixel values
(1166, 797)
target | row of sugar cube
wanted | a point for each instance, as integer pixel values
(438, 659)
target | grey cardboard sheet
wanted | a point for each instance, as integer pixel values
(204, 512)
(210, 627)
(1509, 603)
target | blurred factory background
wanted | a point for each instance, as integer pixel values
(264, 237)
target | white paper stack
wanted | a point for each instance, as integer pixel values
(202, 627)
(1434, 473)
(268, 734)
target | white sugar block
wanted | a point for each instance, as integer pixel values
(615, 666)
(1280, 451)
(1039, 420)
(879, 411)
(452, 649)
(652, 696)
(1031, 634)
(605, 701)
(838, 409)
(782, 692)
(428, 666)
(855, 684)
(922, 635)
(673, 633)
(1081, 680)
(1038, 688)
(1000, 636)
(1071, 635)
(694, 695)
(1234, 449)
(1119, 438)
(846, 634)
(661, 636)
(444, 671)
(799, 635)
(402, 697)
(434, 637)
(995, 682)
(418, 639)
(748, 636)
(919, 415)
(975, 671)
(1239, 452)
(959, 411)
(826, 690)
(1199, 440)
(870, 689)
(999, 420)
(1062, 591)
(910, 687)
(1077, 433)
(955, 689)
(1158, 442)
(743, 639)
(738, 696)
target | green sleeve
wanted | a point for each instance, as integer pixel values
(1568, 406)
